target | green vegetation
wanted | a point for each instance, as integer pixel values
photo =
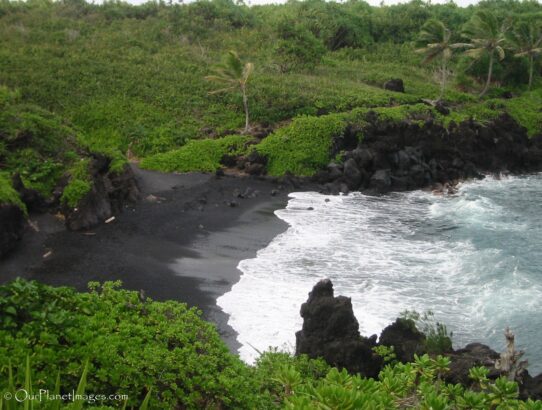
(234, 75)
(438, 340)
(79, 185)
(130, 80)
(304, 146)
(41, 148)
(131, 346)
(162, 355)
(198, 155)
(8, 195)
(414, 385)
(486, 35)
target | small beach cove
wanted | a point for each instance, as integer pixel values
(182, 241)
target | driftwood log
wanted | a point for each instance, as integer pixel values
(509, 363)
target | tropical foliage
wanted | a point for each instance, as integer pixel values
(437, 40)
(486, 35)
(233, 74)
(526, 41)
(118, 349)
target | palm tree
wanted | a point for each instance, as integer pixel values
(486, 36)
(526, 41)
(436, 39)
(234, 75)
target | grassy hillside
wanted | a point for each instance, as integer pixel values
(131, 79)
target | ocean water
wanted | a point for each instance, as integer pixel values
(474, 259)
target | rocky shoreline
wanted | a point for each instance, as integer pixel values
(383, 156)
(331, 331)
(407, 156)
(174, 212)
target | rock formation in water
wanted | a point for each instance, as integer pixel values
(331, 331)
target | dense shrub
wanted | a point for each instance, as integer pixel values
(197, 155)
(297, 47)
(132, 346)
(7, 194)
(304, 146)
(413, 385)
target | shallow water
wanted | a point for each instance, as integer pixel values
(473, 259)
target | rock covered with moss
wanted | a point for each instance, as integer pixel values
(107, 195)
(46, 164)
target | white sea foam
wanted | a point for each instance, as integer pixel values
(461, 257)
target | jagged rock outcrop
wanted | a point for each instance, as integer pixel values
(110, 192)
(403, 156)
(11, 227)
(331, 331)
(405, 339)
(472, 355)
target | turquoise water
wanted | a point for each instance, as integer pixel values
(472, 258)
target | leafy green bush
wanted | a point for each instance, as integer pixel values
(197, 155)
(297, 47)
(163, 356)
(131, 345)
(8, 195)
(413, 385)
(273, 372)
(302, 147)
(80, 184)
(438, 339)
(526, 110)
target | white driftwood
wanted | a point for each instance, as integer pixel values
(509, 363)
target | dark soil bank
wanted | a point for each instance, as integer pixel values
(182, 241)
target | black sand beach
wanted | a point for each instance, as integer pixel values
(182, 241)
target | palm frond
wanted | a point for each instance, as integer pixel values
(475, 52)
(500, 52)
(247, 71)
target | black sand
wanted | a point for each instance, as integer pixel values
(183, 242)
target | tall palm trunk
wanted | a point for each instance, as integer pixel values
(531, 64)
(489, 73)
(443, 79)
(245, 105)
